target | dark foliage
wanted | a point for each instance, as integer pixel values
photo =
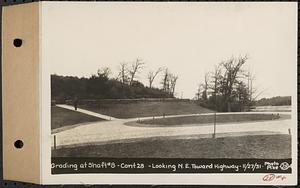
(228, 91)
(274, 101)
(99, 87)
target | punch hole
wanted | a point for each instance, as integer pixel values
(17, 42)
(19, 144)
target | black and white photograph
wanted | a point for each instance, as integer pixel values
(172, 80)
(150, 93)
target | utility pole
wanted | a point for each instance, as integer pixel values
(250, 88)
(215, 115)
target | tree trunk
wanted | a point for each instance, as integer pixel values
(228, 106)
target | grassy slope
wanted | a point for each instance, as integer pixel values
(145, 109)
(61, 117)
(223, 118)
(262, 146)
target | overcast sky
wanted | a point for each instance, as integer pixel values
(188, 38)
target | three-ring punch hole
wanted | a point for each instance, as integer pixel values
(18, 42)
(19, 144)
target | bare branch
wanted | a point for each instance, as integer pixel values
(135, 69)
(152, 75)
(123, 74)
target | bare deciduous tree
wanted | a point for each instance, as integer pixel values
(123, 73)
(205, 86)
(250, 78)
(199, 90)
(104, 72)
(173, 80)
(135, 68)
(232, 68)
(169, 82)
(152, 75)
(227, 86)
(165, 80)
(216, 80)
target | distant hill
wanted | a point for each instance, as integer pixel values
(274, 101)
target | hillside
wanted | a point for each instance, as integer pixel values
(142, 108)
(61, 117)
(100, 87)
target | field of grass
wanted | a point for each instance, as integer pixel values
(262, 146)
(145, 109)
(206, 119)
(61, 117)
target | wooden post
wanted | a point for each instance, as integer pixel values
(54, 143)
(215, 125)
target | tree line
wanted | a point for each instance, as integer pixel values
(228, 87)
(275, 101)
(125, 85)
